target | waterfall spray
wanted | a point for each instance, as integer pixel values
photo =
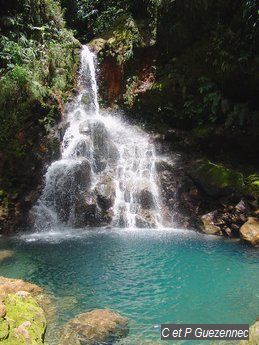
(107, 170)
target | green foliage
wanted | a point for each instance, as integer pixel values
(129, 95)
(212, 107)
(107, 18)
(253, 184)
(90, 18)
(37, 71)
(124, 37)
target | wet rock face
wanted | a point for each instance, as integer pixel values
(190, 204)
(105, 191)
(180, 195)
(145, 219)
(146, 199)
(105, 152)
(69, 184)
(95, 327)
(210, 226)
(249, 232)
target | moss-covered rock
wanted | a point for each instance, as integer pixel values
(24, 322)
(253, 184)
(216, 180)
(120, 40)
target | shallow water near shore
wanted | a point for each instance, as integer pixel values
(150, 276)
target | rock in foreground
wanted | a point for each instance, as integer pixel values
(249, 232)
(8, 285)
(22, 321)
(94, 327)
(253, 335)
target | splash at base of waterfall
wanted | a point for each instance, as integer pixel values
(107, 172)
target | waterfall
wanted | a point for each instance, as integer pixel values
(107, 171)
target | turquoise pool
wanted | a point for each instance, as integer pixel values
(151, 276)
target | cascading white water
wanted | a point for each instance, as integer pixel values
(107, 171)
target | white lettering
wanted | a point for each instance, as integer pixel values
(163, 334)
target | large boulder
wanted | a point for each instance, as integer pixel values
(85, 211)
(249, 232)
(216, 180)
(22, 320)
(69, 181)
(9, 285)
(15, 286)
(95, 327)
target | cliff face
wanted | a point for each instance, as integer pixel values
(193, 82)
(191, 67)
(204, 59)
(38, 66)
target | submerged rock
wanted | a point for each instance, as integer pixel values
(94, 327)
(249, 232)
(5, 254)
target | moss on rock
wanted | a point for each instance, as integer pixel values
(120, 40)
(216, 180)
(24, 322)
(253, 185)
